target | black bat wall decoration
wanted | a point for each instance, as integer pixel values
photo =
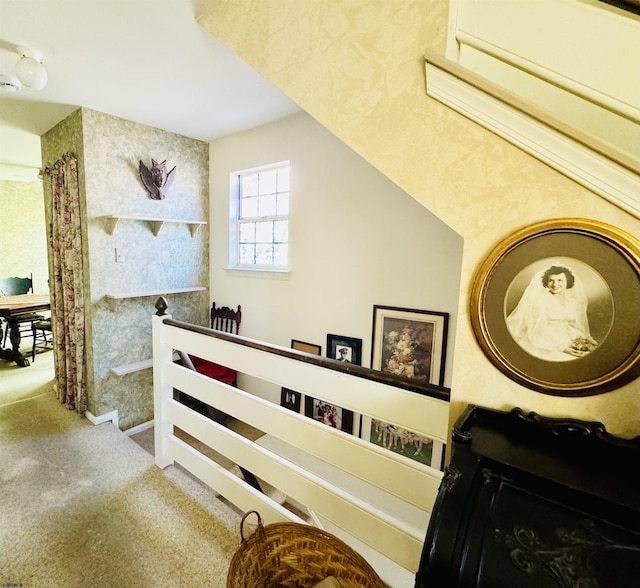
(156, 180)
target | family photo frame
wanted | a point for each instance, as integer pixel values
(555, 307)
(410, 343)
(345, 349)
(328, 414)
(403, 442)
(292, 399)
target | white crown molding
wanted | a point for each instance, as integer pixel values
(601, 168)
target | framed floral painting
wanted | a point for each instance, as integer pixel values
(410, 343)
(555, 307)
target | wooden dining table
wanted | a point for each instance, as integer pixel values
(11, 307)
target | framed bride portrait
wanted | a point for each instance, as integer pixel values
(555, 307)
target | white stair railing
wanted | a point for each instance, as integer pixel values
(376, 496)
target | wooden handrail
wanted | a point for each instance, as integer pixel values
(439, 392)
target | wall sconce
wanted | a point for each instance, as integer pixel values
(29, 69)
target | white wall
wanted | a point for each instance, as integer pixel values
(356, 240)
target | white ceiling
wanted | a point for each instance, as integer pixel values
(142, 60)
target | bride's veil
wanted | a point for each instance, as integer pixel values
(523, 316)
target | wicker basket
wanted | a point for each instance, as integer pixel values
(293, 555)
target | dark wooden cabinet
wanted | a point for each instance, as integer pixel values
(534, 502)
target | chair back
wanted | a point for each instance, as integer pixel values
(225, 319)
(14, 286)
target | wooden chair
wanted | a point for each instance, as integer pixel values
(42, 336)
(15, 286)
(225, 319)
(222, 318)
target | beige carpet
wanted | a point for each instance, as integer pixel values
(18, 383)
(84, 506)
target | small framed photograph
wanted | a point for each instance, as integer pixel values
(410, 343)
(306, 347)
(555, 307)
(291, 399)
(329, 414)
(406, 443)
(345, 349)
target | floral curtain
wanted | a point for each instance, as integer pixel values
(66, 281)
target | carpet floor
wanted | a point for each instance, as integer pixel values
(84, 506)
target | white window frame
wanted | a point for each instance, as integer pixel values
(235, 221)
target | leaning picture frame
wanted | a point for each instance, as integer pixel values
(344, 349)
(329, 414)
(555, 305)
(410, 343)
(404, 442)
(290, 399)
(306, 347)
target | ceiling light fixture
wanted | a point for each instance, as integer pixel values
(9, 83)
(30, 70)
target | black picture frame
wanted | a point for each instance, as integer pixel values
(291, 399)
(345, 349)
(328, 414)
(601, 268)
(422, 335)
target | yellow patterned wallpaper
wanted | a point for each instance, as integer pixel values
(23, 235)
(357, 67)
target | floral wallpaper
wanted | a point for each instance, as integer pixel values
(131, 259)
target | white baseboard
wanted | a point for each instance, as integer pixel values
(103, 418)
(139, 428)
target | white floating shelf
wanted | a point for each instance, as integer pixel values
(155, 223)
(114, 300)
(129, 368)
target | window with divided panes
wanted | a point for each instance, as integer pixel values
(260, 198)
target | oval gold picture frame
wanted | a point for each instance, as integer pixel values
(598, 313)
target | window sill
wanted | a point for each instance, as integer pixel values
(247, 272)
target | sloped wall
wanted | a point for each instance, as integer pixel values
(356, 66)
(356, 240)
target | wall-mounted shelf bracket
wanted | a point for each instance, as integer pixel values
(154, 223)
